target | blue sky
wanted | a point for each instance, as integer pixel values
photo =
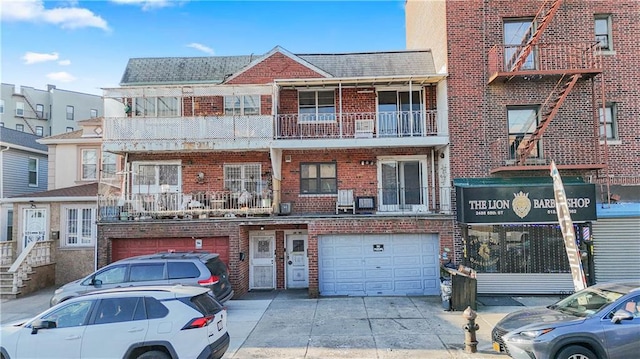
(85, 45)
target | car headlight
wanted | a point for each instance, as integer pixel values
(535, 333)
(58, 291)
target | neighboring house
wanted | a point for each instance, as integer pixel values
(318, 171)
(46, 112)
(64, 217)
(530, 82)
(23, 166)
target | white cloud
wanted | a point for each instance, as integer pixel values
(34, 57)
(200, 47)
(150, 4)
(64, 62)
(61, 76)
(65, 17)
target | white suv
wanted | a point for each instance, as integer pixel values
(136, 322)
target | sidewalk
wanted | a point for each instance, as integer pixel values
(287, 324)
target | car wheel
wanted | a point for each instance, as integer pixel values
(154, 354)
(576, 352)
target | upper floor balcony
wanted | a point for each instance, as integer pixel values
(544, 59)
(258, 132)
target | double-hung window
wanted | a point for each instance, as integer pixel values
(20, 109)
(242, 105)
(40, 111)
(523, 120)
(608, 124)
(318, 178)
(168, 107)
(517, 32)
(70, 111)
(89, 164)
(39, 131)
(603, 32)
(108, 165)
(317, 106)
(20, 127)
(79, 229)
(33, 172)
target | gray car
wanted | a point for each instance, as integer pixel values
(188, 268)
(601, 321)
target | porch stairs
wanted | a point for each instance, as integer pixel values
(6, 284)
(552, 108)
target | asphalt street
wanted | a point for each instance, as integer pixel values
(287, 324)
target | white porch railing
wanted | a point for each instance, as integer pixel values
(181, 205)
(187, 129)
(358, 125)
(36, 253)
(7, 251)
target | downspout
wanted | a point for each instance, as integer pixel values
(411, 105)
(433, 177)
(340, 100)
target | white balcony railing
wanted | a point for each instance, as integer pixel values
(358, 125)
(184, 130)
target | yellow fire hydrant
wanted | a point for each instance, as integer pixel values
(470, 342)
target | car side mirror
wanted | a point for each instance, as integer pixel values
(96, 282)
(621, 315)
(42, 324)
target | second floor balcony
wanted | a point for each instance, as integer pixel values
(258, 132)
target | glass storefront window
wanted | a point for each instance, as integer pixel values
(515, 249)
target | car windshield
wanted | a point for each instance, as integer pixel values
(587, 302)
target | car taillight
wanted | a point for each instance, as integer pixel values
(199, 322)
(209, 281)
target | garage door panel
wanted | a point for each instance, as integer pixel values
(128, 247)
(402, 264)
(407, 260)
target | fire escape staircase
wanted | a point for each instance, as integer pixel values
(529, 143)
(530, 39)
(27, 114)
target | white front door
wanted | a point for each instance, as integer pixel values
(34, 226)
(297, 261)
(262, 274)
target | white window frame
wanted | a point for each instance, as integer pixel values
(240, 105)
(70, 114)
(610, 120)
(82, 232)
(69, 129)
(93, 113)
(165, 106)
(36, 171)
(106, 174)
(20, 127)
(84, 162)
(40, 111)
(39, 131)
(317, 116)
(243, 182)
(138, 187)
(608, 34)
(20, 109)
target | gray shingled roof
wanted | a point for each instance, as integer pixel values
(20, 138)
(214, 70)
(168, 70)
(369, 64)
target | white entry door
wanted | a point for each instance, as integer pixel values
(297, 261)
(34, 226)
(262, 274)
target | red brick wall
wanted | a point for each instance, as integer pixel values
(276, 66)
(477, 111)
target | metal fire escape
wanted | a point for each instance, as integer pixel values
(32, 113)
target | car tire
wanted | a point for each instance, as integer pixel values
(576, 352)
(154, 354)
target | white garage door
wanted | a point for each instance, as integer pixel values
(379, 264)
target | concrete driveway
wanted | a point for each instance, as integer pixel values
(287, 324)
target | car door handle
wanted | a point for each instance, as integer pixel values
(72, 337)
(133, 330)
